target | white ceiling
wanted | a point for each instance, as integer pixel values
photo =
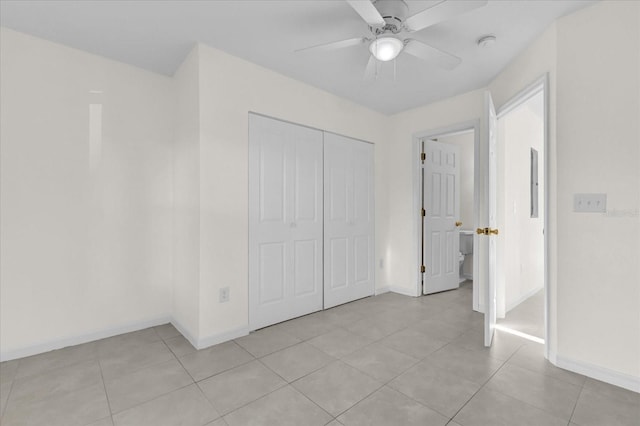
(157, 35)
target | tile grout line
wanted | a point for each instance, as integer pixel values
(575, 405)
(483, 386)
(104, 386)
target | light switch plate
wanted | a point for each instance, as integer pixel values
(590, 203)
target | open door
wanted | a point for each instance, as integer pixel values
(487, 235)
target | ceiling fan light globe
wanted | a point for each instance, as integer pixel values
(386, 48)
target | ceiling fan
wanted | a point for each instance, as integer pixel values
(389, 23)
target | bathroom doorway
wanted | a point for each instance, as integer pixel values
(447, 170)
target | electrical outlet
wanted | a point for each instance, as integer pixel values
(590, 203)
(224, 294)
(381, 263)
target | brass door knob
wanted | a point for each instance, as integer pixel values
(458, 224)
(486, 231)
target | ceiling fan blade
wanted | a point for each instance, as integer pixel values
(368, 12)
(371, 71)
(431, 54)
(441, 12)
(341, 44)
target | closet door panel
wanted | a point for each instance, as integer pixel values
(285, 221)
(348, 228)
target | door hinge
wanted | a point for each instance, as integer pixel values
(423, 212)
(423, 156)
(423, 269)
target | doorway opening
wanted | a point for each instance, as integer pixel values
(490, 296)
(446, 200)
(522, 215)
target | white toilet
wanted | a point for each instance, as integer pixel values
(466, 248)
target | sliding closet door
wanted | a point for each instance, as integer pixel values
(348, 220)
(285, 221)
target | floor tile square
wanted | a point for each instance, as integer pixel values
(307, 327)
(179, 346)
(266, 341)
(76, 408)
(531, 357)
(337, 387)
(554, 396)
(146, 384)
(56, 359)
(284, 407)
(436, 388)
(380, 362)
(375, 328)
(55, 382)
(297, 361)
(438, 330)
(339, 343)
(387, 407)
(237, 387)
(413, 343)
(602, 404)
(219, 422)
(8, 370)
(123, 342)
(503, 346)
(185, 407)
(471, 365)
(102, 422)
(5, 389)
(167, 331)
(216, 359)
(134, 358)
(488, 408)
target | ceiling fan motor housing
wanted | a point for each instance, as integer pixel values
(393, 12)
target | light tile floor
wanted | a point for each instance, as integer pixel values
(384, 360)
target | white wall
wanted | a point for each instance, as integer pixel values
(229, 89)
(598, 151)
(522, 236)
(186, 198)
(84, 251)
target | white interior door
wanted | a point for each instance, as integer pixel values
(285, 221)
(348, 220)
(441, 241)
(487, 241)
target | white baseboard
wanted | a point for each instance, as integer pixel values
(214, 339)
(603, 374)
(201, 343)
(382, 290)
(185, 333)
(83, 338)
(217, 338)
(523, 298)
(412, 292)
